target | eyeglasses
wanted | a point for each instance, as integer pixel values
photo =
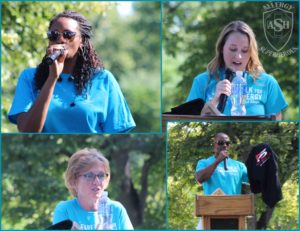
(221, 143)
(90, 177)
(53, 35)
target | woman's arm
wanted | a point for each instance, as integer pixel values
(34, 119)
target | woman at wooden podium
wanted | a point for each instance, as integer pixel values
(236, 49)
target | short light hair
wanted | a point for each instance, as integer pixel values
(254, 66)
(79, 162)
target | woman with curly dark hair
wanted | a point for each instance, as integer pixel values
(70, 91)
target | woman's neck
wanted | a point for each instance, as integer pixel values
(88, 204)
(69, 65)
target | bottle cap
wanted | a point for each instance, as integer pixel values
(239, 73)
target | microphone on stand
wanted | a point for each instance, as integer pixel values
(229, 74)
(49, 59)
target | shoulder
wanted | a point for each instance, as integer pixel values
(238, 163)
(104, 77)
(267, 78)
(204, 76)
(101, 74)
(207, 160)
(64, 205)
(117, 205)
(28, 73)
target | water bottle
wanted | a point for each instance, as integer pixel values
(238, 95)
(105, 213)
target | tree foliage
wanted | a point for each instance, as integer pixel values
(189, 142)
(33, 166)
(190, 31)
(129, 46)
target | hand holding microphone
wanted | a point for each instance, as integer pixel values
(55, 59)
(223, 155)
(54, 53)
(49, 59)
(224, 89)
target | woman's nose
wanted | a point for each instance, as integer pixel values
(239, 55)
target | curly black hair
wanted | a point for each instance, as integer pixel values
(87, 60)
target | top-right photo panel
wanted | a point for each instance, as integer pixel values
(230, 60)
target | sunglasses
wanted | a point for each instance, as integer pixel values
(53, 35)
(221, 143)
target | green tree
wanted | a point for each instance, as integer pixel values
(189, 142)
(190, 31)
(33, 166)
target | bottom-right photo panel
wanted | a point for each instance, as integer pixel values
(226, 175)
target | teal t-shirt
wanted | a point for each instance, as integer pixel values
(101, 109)
(230, 181)
(264, 96)
(88, 220)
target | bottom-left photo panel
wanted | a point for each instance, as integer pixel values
(85, 182)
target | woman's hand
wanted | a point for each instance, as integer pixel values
(223, 87)
(57, 67)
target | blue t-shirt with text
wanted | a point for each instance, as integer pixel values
(229, 181)
(88, 220)
(264, 95)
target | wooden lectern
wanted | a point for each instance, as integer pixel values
(224, 212)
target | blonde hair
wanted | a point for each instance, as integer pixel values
(79, 162)
(254, 66)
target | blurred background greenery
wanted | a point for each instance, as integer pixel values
(33, 166)
(189, 142)
(126, 37)
(190, 31)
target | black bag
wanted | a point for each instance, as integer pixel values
(193, 107)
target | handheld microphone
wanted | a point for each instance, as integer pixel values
(223, 98)
(49, 59)
(63, 225)
(225, 164)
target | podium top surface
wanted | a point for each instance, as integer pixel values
(172, 117)
(236, 205)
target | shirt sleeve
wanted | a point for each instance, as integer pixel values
(60, 213)
(24, 95)
(275, 99)
(198, 87)
(244, 173)
(119, 118)
(200, 165)
(124, 220)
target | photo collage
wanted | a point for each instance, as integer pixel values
(149, 115)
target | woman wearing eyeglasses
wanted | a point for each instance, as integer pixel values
(86, 177)
(74, 93)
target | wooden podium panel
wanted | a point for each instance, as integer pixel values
(242, 205)
(224, 212)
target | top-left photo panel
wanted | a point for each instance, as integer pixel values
(81, 67)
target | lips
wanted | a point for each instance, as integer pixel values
(96, 190)
(236, 63)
